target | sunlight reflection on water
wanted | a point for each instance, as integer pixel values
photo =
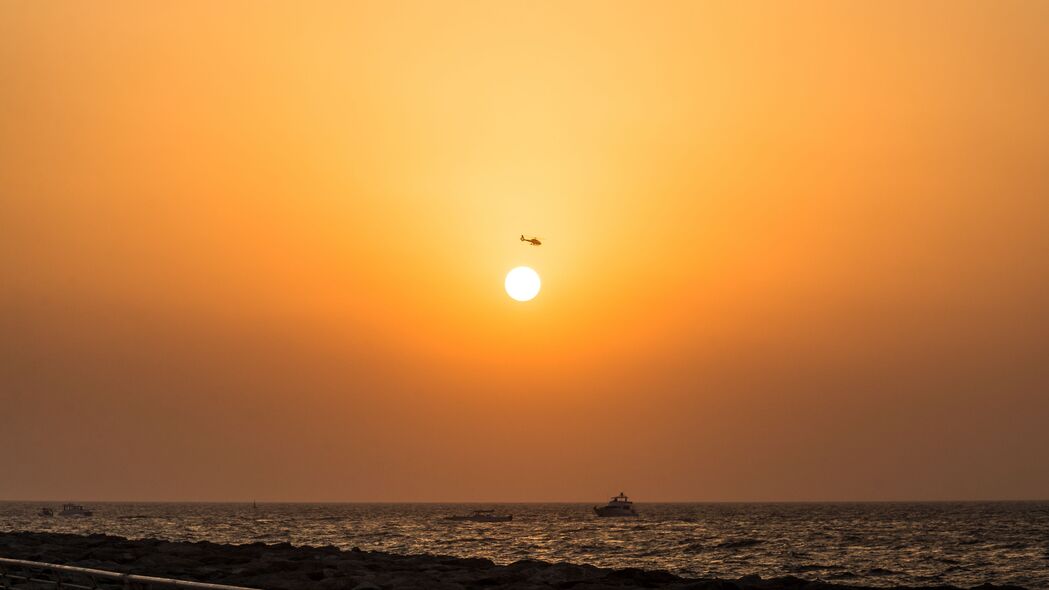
(873, 544)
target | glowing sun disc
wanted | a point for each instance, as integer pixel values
(522, 283)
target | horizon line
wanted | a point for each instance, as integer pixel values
(390, 502)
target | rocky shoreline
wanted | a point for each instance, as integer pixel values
(286, 567)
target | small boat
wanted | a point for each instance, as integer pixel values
(74, 510)
(45, 511)
(482, 516)
(618, 506)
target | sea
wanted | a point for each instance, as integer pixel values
(871, 544)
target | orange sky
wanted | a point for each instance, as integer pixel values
(792, 251)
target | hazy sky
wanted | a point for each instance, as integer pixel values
(792, 251)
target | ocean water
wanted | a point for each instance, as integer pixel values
(876, 544)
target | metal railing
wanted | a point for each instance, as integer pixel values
(19, 573)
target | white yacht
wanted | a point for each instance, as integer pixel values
(618, 506)
(74, 510)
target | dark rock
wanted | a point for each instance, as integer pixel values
(711, 585)
(643, 578)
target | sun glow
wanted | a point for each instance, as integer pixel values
(522, 283)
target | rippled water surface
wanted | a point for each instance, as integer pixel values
(877, 544)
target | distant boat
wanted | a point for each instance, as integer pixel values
(618, 506)
(74, 510)
(482, 516)
(45, 511)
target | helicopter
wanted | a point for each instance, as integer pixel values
(532, 241)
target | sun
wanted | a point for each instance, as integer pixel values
(522, 283)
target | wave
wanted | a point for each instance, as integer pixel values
(815, 567)
(739, 543)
